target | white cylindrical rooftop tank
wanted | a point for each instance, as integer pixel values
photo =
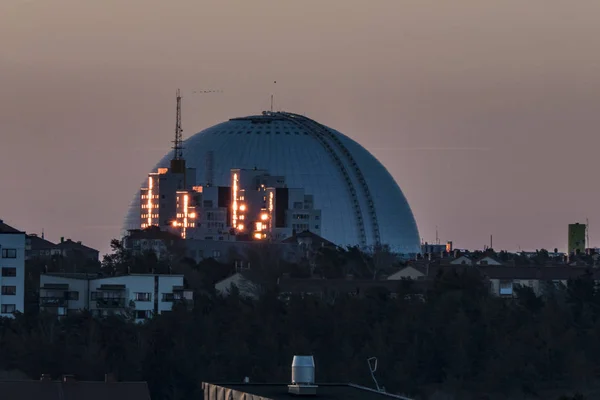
(303, 370)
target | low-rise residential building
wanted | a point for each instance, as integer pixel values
(12, 266)
(152, 239)
(140, 295)
(39, 247)
(71, 249)
(504, 279)
(244, 281)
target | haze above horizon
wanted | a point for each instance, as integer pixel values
(485, 114)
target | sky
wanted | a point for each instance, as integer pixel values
(485, 112)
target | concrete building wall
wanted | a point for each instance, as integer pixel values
(12, 276)
(80, 301)
(148, 294)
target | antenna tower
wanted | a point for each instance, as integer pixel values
(178, 142)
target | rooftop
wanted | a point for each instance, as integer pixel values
(276, 391)
(4, 228)
(56, 390)
(38, 243)
(307, 235)
(73, 275)
(70, 244)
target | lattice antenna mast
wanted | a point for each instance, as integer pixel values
(178, 142)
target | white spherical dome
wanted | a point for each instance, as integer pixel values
(360, 202)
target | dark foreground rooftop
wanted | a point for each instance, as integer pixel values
(276, 391)
(56, 390)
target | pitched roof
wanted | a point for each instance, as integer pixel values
(54, 390)
(37, 243)
(4, 228)
(316, 239)
(277, 391)
(71, 245)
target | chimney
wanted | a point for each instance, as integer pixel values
(62, 239)
(303, 376)
(68, 378)
(46, 378)
(110, 377)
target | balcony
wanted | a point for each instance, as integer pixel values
(53, 301)
(117, 302)
(180, 296)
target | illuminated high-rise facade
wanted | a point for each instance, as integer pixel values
(264, 208)
(169, 200)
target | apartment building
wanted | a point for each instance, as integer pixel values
(140, 296)
(12, 265)
(503, 280)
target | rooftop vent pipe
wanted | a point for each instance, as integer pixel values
(303, 376)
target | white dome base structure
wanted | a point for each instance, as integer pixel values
(361, 204)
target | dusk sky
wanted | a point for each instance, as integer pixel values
(486, 113)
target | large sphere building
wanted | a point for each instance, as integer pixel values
(360, 202)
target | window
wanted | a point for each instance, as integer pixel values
(9, 253)
(9, 290)
(142, 296)
(168, 297)
(143, 314)
(72, 295)
(8, 308)
(9, 271)
(94, 296)
(506, 288)
(216, 253)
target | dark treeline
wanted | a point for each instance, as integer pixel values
(457, 339)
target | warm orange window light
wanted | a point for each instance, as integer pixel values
(257, 236)
(243, 207)
(240, 227)
(264, 217)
